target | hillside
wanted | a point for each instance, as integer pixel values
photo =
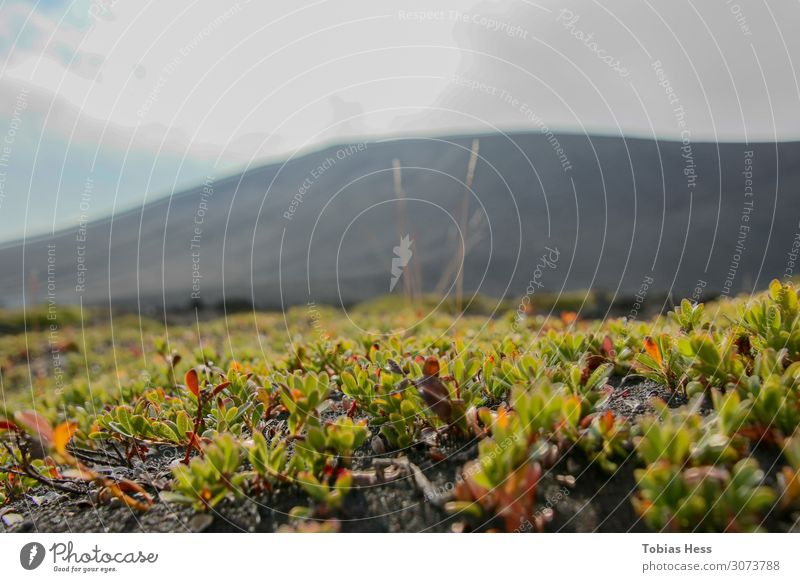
(322, 227)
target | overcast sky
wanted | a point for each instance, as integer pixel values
(135, 99)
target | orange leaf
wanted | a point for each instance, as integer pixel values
(502, 417)
(607, 421)
(652, 349)
(128, 486)
(35, 422)
(568, 317)
(62, 435)
(52, 468)
(118, 491)
(192, 382)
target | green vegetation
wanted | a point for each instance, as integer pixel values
(245, 410)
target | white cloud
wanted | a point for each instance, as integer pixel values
(251, 80)
(217, 74)
(314, 71)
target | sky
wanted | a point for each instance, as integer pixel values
(108, 104)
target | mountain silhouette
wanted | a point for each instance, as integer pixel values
(323, 226)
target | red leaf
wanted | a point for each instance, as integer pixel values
(35, 422)
(221, 387)
(587, 420)
(194, 442)
(192, 382)
(431, 367)
(8, 425)
(608, 347)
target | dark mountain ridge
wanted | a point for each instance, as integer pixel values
(324, 226)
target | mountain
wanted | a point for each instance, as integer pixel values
(611, 213)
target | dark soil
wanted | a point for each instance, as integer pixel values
(583, 497)
(595, 503)
(633, 396)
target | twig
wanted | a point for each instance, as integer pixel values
(59, 484)
(424, 485)
(91, 456)
(473, 162)
(120, 456)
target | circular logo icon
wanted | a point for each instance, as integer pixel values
(31, 555)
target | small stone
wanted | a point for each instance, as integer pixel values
(200, 522)
(377, 445)
(12, 519)
(568, 480)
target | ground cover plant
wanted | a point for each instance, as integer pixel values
(301, 422)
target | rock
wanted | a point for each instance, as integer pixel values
(200, 522)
